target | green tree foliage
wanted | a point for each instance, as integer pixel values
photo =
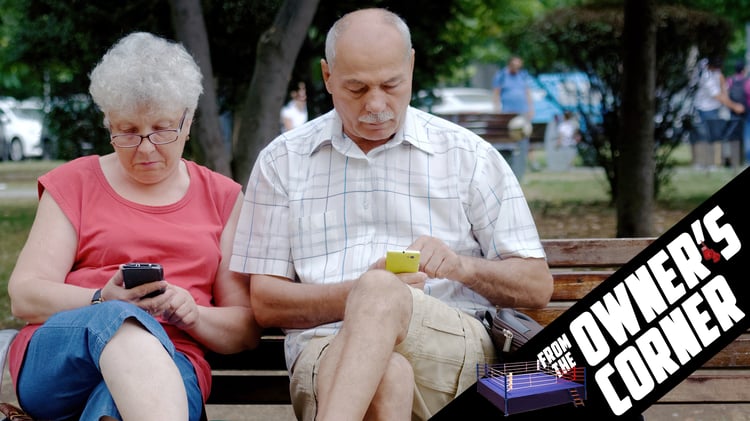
(234, 27)
(481, 25)
(64, 40)
(48, 47)
(588, 38)
(735, 11)
(436, 52)
(55, 45)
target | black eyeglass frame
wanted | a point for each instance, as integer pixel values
(177, 132)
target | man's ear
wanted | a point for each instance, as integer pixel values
(326, 72)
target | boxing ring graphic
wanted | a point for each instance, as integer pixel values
(526, 386)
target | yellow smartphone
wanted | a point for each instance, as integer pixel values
(400, 261)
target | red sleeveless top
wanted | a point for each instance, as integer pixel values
(184, 237)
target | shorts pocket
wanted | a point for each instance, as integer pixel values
(442, 352)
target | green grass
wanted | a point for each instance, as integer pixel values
(16, 217)
(687, 187)
(581, 185)
(25, 171)
(585, 185)
(577, 203)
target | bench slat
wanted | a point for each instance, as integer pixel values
(593, 252)
(492, 127)
(734, 355)
(574, 285)
(711, 386)
(545, 316)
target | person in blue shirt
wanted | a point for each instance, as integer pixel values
(512, 87)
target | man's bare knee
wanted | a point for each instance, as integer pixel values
(383, 297)
(380, 287)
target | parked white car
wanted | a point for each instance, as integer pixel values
(457, 100)
(22, 123)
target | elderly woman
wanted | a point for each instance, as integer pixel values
(92, 349)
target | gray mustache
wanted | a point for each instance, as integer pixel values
(377, 118)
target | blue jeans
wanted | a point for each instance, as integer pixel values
(60, 377)
(710, 127)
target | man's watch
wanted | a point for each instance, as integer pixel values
(97, 298)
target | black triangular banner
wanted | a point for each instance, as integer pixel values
(652, 323)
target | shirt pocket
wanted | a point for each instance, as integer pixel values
(313, 234)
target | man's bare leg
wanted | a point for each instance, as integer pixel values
(394, 398)
(376, 319)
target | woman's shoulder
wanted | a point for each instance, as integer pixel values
(76, 167)
(210, 177)
(204, 171)
(209, 186)
(68, 181)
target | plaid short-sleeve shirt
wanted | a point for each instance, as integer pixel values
(318, 210)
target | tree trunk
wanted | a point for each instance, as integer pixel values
(636, 168)
(187, 18)
(278, 46)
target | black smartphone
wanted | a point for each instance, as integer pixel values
(136, 273)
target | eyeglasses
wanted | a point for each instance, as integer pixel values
(159, 137)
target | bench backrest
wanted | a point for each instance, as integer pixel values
(493, 127)
(579, 265)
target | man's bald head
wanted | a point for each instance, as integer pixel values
(361, 19)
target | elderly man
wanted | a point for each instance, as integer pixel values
(373, 174)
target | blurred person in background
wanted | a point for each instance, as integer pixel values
(294, 113)
(738, 90)
(566, 142)
(512, 88)
(709, 128)
(512, 95)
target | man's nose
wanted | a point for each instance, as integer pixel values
(375, 101)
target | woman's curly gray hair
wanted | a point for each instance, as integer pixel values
(142, 69)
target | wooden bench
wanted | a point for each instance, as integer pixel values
(578, 265)
(493, 127)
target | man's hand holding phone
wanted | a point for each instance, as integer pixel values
(405, 264)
